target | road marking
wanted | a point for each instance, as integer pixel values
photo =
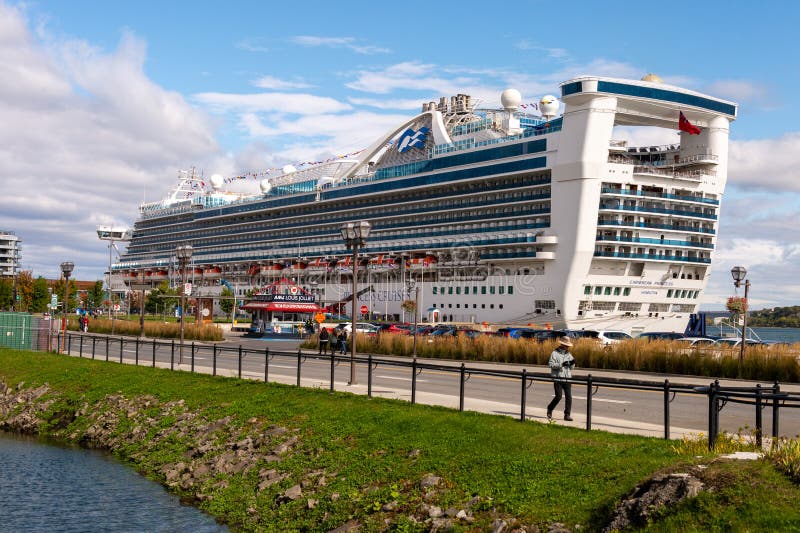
(400, 379)
(601, 400)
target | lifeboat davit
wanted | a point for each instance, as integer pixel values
(318, 265)
(421, 262)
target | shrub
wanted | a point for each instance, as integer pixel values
(785, 455)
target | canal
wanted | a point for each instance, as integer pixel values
(52, 488)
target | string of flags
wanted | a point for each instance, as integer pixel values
(264, 172)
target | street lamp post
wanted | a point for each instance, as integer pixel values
(739, 273)
(184, 254)
(66, 269)
(412, 283)
(355, 235)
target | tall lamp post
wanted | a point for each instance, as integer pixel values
(739, 273)
(66, 269)
(355, 235)
(412, 286)
(184, 254)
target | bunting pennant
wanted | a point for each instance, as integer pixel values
(265, 172)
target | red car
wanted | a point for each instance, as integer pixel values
(398, 329)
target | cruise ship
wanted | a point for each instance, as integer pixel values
(501, 216)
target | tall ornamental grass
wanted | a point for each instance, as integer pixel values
(775, 363)
(157, 330)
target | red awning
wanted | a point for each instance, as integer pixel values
(283, 307)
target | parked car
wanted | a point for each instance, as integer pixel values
(733, 342)
(582, 334)
(455, 331)
(398, 329)
(511, 332)
(697, 342)
(541, 335)
(660, 335)
(607, 337)
(361, 327)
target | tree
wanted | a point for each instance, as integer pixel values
(6, 293)
(95, 296)
(24, 290)
(58, 290)
(161, 298)
(40, 297)
(226, 304)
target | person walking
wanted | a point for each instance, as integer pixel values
(343, 342)
(561, 363)
(333, 342)
(323, 340)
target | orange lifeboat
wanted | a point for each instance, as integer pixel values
(275, 269)
(421, 262)
(212, 272)
(318, 265)
(299, 266)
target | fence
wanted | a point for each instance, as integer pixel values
(148, 351)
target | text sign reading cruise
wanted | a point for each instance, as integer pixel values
(412, 139)
(285, 298)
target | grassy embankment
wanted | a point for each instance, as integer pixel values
(764, 364)
(374, 452)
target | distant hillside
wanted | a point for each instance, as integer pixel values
(781, 317)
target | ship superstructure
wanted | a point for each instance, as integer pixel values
(497, 215)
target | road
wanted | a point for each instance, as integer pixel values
(618, 410)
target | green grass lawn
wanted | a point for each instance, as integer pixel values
(376, 451)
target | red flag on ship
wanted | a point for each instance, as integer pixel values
(685, 125)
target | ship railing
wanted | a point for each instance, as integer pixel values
(692, 175)
(230, 361)
(653, 194)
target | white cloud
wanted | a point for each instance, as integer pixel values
(766, 163)
(270, 82)
(739, 91)
(339, 42)
(303, 104)
(84, 133)
(552, 53)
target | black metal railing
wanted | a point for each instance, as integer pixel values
(758, 396)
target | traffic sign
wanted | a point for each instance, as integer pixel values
(187, 289)
(364, 309)
(319, 318)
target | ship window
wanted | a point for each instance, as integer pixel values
(466, 290)
(500, 306)
(491, 306)
(587, 290)
(502, 289)
(627, 291)
(474, 306)
(434, 290)
(616, 291)
(607, 291)
(458, 306)
(483, 306)
(449, 290)
(441, 290)
(458, 290)
(683, 294)
(491, 289)
(669, 293)
(483, 289)
(510, 289)
(450, 305)
(598, 291)
(475, 290)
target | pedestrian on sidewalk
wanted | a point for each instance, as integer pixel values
(343, 342)
(323, 340)
(333, 342)
(561, 363)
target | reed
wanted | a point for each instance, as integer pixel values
(785, 455)
(776, 363)
(158, 330)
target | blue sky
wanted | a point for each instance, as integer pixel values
(110, 99)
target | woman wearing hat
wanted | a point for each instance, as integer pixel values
(561, 363)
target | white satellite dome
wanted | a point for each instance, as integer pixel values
(217, 181)
(549, 105)
(288, 169)
(265, 185)
(510, 99)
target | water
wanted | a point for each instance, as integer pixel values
(51, 488)
(790, 335)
